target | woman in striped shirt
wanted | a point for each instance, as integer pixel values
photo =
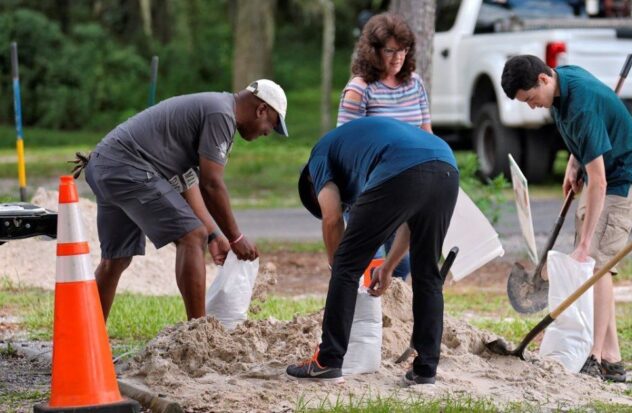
(384, 83)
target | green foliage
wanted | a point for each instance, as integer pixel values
(199, 55)
(83, 79)
(93, 71)
(489, 196)
(39, 42)
(95, 82)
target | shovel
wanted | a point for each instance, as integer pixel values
(500, 347)
(624, 73)
(528, 293)
(445, 268)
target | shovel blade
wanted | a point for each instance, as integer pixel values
(527, 293)
(499, 346)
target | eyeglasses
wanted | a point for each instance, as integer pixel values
(391, 52)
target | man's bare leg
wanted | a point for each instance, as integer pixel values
(611, 351)
(191, 271)
(107, 275)
(603, 297)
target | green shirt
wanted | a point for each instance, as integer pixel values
(593, 121)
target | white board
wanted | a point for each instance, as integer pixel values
(523, 207)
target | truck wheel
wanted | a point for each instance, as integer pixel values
(493, 141)
(539, 154)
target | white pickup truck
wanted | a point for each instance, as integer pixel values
(473, 40)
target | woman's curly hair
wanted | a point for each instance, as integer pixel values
(368, 62)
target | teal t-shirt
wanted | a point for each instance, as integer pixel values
(593, 121)
(366, 152)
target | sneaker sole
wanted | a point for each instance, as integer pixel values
(617, 378)
(336, 380)
(413, 382)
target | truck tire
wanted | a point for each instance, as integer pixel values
(539, 154)
(493, 141)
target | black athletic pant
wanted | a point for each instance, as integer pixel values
(423, 196)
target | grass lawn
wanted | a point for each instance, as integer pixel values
(395, 404)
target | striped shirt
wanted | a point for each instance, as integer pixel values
(407, 102)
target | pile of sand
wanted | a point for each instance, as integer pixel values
(31, 262)
(203, 366)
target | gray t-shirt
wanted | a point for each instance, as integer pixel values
(169, 137)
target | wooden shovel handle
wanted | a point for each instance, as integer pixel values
(624, 73)
(591, 281)
(556, 231)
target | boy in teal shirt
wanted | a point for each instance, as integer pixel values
(597, 130)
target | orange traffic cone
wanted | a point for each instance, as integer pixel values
(83, 378)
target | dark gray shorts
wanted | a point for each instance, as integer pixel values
(131, 203)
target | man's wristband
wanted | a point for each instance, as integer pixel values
(239, 238)
(212, 236)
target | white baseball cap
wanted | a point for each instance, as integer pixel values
(272, 94)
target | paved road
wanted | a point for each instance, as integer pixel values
(298, 224)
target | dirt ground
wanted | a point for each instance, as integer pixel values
(307, 273)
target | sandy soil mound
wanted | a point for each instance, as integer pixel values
(206, 367)
(31, 262)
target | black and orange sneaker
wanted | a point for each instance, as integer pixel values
(311, 370)
(613, 371)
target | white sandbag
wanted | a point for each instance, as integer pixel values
(569, 338)
(228, 297)
(364, 353)
(476, 238)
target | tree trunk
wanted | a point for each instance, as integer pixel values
(162, 20)
(254, 39)
(63, 12)
(145, 13)
(420, 15)
(329, 33)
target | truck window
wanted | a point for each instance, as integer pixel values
(446, 14)
(504, 15)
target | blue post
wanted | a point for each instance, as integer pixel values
(17, 106)
(152, 82)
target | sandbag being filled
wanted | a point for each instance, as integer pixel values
(569, 338)
(228, 297)
(364, 353)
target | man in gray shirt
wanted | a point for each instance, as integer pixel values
(144, 174)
